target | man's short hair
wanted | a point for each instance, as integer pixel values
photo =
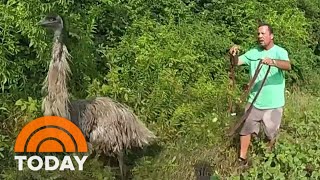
(266, 24)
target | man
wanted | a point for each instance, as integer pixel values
(268, 107)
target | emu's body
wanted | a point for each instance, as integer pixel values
(110, 127)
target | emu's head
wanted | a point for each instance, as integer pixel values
(53, 22)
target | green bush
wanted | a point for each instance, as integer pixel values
(168, 61)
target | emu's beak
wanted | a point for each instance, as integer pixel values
(42, 22)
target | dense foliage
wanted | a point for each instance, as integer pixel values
(168, 61)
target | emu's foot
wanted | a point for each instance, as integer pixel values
(203, 171)
(122, 166)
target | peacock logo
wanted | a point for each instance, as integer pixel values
(50, 134)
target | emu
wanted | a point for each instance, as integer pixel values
(109, 127)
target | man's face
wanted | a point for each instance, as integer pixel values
(264, 36)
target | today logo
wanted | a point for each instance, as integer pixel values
(50, 134)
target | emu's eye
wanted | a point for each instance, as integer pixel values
(52, 19)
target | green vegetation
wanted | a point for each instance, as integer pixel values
(168, 61)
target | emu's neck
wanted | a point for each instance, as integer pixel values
(56, 102)
(58, 35)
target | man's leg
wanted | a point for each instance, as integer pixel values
(250, 126)
(244, 145)
(271, 143)
(271, 122)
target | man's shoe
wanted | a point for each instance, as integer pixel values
(243, 162)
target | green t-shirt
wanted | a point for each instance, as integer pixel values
(272, 94)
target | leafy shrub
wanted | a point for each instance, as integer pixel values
(167, 60)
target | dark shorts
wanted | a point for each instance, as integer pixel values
(270, 119)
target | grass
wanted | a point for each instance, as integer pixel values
(176, 157)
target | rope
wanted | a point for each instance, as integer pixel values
(232, 82)
(235, 127)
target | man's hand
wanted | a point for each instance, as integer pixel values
(234, 50)
(281, 64)
(268, 61)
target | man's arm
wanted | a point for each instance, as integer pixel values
(281, 64)
(237, 61)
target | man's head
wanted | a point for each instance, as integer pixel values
(265, 35)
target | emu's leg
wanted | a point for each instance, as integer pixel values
(122, 165)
